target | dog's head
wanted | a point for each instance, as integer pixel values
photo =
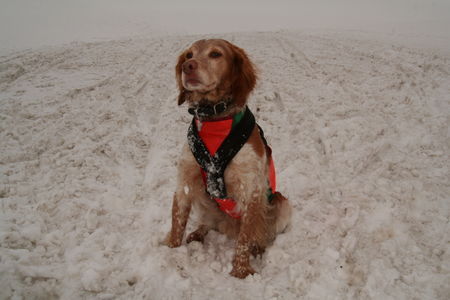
(212, 70)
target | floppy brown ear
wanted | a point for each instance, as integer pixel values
(178, 70)
(244, 76)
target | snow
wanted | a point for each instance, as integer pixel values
(359, 126)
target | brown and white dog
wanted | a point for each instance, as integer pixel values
(207, 73)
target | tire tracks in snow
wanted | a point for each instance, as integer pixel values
(292, 51)
(313, 78)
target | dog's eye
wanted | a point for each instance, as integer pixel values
(215, 54)
(189, 55)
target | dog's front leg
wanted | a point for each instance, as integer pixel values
(241, 260)
(252, 233)
(181, 208)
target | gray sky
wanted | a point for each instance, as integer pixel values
(28, 23)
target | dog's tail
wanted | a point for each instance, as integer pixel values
(283, 212)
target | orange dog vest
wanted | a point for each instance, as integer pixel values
(210, 137)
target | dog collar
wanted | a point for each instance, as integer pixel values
(206, 109)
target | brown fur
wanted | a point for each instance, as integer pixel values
(213, 70)
(256, 142)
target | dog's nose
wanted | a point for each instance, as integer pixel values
(189, 66)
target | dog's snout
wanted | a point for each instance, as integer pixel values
(189, 66)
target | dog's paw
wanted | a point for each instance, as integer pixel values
(195, 236)
(198, 235)
(256, 250)
(242, 271)
(171, 242)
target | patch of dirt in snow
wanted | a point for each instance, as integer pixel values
(90, 134)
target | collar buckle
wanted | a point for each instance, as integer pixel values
(220, 107)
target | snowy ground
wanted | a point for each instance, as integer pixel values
(90, 134)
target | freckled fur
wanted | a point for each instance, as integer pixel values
(245, 176)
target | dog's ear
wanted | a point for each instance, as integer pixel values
(178, 70)
(244, 76)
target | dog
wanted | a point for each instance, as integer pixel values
(236, 197)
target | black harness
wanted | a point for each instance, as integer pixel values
(214, 166)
